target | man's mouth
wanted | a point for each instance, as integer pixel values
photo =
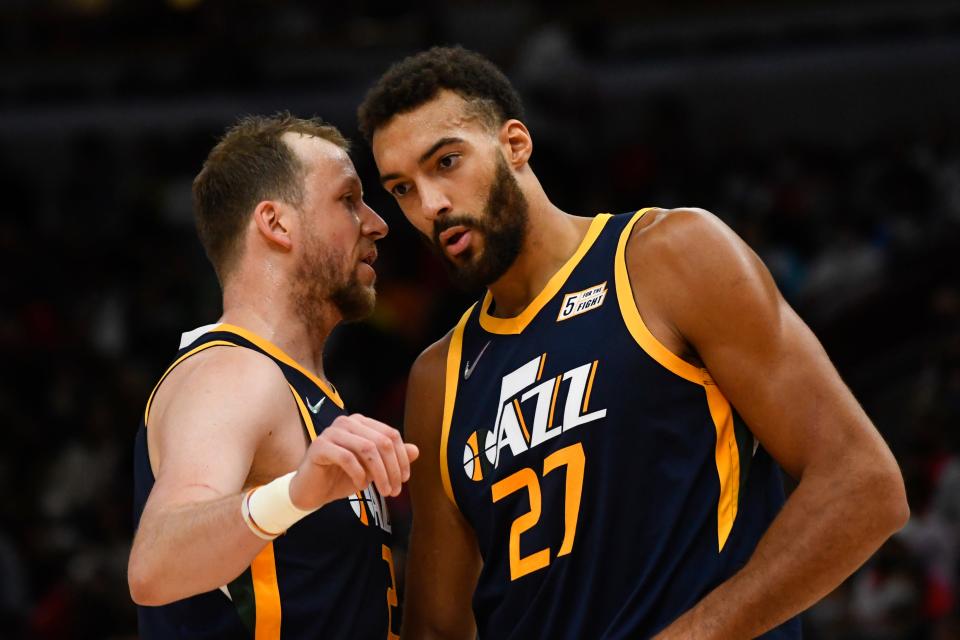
(369, 257)
(455, 240)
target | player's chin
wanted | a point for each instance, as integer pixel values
(360, 307)
(355, 300)
(470, 265)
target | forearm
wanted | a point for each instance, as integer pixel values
(831, 524)
(184, 550)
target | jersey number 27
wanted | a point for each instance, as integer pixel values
(573, 459)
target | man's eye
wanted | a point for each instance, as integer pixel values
(448, 161)
(400, 190)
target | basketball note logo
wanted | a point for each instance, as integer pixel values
(472, 465)
(370, 505)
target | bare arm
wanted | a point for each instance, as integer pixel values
(707, 291)
(443, 562)
(191, 536)
(220, 428)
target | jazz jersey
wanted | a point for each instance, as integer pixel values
(330, 576)
(610, 484)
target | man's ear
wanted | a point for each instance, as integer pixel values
(272, 220)
(518, 144)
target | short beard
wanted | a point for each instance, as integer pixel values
(504, 229)
(353, 300)
(320, 279)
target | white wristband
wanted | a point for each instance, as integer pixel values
(268, 510)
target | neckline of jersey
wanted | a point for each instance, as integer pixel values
(278, 353)
(516, 324)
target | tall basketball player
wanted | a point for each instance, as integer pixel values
(603, 431)
(244, 438)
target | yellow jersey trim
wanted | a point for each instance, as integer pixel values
(304, 413)
(279, 354)
(214, 343)
(631, 315)
(515, 325)
(454, 355)
(727, 458)
(266, 595)
(726, 455)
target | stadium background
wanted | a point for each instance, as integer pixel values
(826, 134)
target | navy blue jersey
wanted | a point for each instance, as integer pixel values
(610, 484)
(330, 576)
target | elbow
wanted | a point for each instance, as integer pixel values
(899, 508)
(139, 582)
(888, 498)
(144, 583)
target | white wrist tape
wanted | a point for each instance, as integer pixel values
(268, 510)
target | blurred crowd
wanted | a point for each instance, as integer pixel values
(103, 272)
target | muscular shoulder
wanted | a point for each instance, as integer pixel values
(243, 375)
(688, 270)
(223, 392)
(691, 246)
(685, 237)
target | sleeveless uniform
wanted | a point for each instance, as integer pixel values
(610, 484)
(330, 576)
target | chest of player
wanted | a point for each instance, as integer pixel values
(522, 398)
(352, 527)
(554, 426)
(362, 520)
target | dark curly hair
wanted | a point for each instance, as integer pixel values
(417, 79)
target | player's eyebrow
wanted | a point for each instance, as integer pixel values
(349, 182)
(442, 142)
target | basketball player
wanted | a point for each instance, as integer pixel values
(244, 438)
(602, 432)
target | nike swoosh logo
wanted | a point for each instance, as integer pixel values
(315, 407)
(468, 369)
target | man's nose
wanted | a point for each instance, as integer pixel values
(373, 224)
(435, 203)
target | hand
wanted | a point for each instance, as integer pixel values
(346, 457)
